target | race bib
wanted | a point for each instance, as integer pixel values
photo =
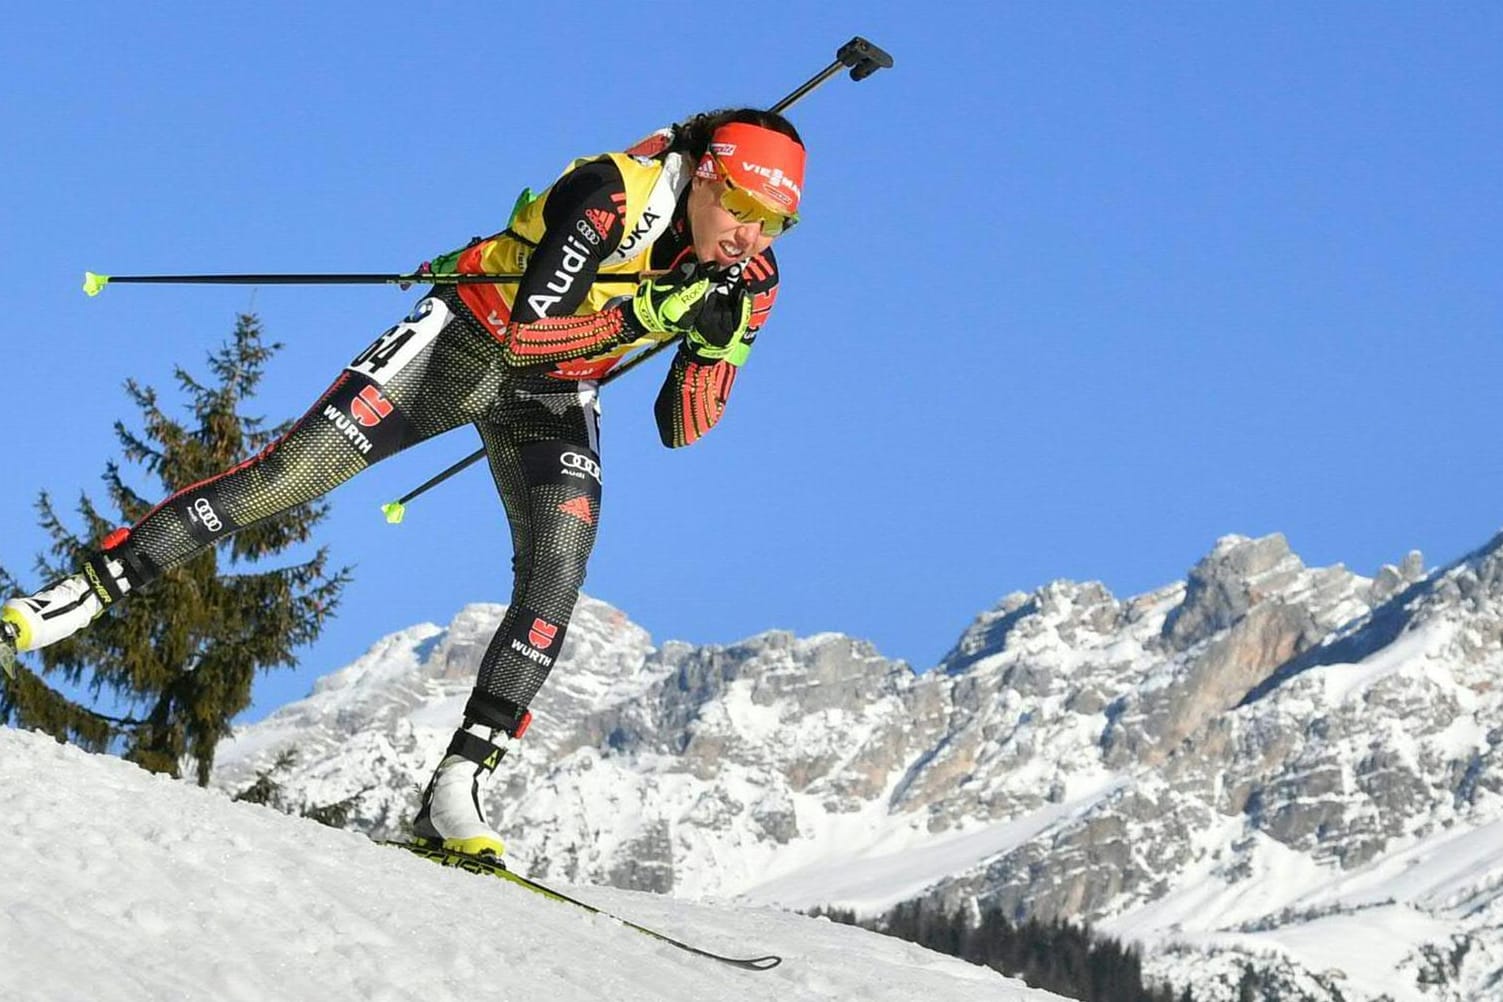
(399, 345)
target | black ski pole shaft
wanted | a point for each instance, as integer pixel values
(396, 510)
(94, 283)
(863, 58)
(393, 510)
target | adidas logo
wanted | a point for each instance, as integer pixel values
(601, 220)
(580, 508)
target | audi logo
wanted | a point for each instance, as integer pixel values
(207, 515)
(573, 460)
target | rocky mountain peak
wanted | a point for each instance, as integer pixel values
(1393, 578)
(1236, 575)
(1061, 613)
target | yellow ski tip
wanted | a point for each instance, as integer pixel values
(394, 512)
(94, 284)
(479, 845)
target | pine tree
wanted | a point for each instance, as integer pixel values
(1057, 956)
(181, 655)
(267, 791)
(1250, 987)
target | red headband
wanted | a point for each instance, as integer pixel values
(766, 163)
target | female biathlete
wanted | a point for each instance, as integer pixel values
(698, 206)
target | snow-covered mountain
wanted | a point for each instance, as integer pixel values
(1270, 763)
(123, 886)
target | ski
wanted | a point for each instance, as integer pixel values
(491, 867)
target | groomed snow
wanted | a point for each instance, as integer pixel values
(125, 886)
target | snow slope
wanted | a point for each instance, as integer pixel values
(121, 885)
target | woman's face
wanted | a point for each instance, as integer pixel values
(719, 237)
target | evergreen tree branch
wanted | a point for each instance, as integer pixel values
(188, 647)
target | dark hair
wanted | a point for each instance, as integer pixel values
(692, 136)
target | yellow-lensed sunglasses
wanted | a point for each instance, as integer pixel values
(747, 207)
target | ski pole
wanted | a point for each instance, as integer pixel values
(396, 510)
(863, 58)
(94, 283)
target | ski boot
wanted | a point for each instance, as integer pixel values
(59, 611)
(451, 817)
(66, 607)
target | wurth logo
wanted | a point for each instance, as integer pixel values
(370, 407)
(532, 641)
(535, 656)
(541, 634)
(349, 428)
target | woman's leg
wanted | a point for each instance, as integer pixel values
(546, 463)
(542, 443)
(430, 373)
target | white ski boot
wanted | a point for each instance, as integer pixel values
(451, 817)
(60, 611)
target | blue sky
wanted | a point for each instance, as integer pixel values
(1080, 288)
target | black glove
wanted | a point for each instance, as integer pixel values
(723, 315)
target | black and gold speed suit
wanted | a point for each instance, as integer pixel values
(444, 366)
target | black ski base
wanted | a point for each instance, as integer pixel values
(491, 866)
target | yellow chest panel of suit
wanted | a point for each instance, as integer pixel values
(641, 215)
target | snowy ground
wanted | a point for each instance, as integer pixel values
(125, 886)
